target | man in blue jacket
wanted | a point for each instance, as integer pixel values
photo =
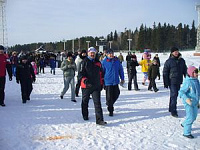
(112, 71)
(173, 72)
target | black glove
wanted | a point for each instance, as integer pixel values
(17, 81)
(88, 85)
(10, 78)
(166, 86)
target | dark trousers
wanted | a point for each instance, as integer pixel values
(174, 88)
(26, 89)
(42, 69)
(78, 84)
(112, 94)
(96, 96)
(2, 87)
(152, 83)
(134, 78)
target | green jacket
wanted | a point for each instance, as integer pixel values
(68, 68)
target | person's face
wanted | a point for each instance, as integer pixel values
(195, 73)
(175, 53)
(24, 61)
(92, 55)
(111, 55)
(1, 51)
(69, 58)
(84, 54)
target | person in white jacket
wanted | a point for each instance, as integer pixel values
(78, 61)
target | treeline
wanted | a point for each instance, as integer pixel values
(159, 38)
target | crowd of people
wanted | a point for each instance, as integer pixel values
(97, 71)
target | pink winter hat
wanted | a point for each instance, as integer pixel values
(190, 70)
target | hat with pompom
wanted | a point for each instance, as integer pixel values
(190, 70)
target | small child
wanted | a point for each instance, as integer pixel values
(190, 94)
(25, 76)
(153, 72)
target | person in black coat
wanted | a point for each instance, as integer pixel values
(153, 73)
(173, 72)
(91, 76)
(25, 76)
(132, 73)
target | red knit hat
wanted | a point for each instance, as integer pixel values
(190, 70)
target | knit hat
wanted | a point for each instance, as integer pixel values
(92, 49)
(173, 49)
(1, 47)
(69, 54)
(83, 51)
(109, 51)
(190, 70)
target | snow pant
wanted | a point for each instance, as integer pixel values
(2, 88)
(78, 84)
(26, 89)
(174, 88)
(14, 70)
(191, 115)
(152, 83)
(134, 78)
(96, 96)
(112, 94)
(67, 81)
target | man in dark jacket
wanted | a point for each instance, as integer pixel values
(91, 76)
(25, 76)
(173, 72)
(4, 65)
(133, 73)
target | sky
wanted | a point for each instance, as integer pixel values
(33, 21)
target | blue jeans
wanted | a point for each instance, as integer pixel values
(174, 88)
(67, 81)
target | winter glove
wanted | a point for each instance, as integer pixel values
(188, 101)
(17, 81)
(166, 86)
(10, 78)
(88, 85)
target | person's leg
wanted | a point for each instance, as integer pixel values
(173, 99)
(130, 82)
(135, 82)
(29, 89)
(96, 96)
(2, 88)
(72, 89)
(66, 86)
(187, 124)
(84, 103)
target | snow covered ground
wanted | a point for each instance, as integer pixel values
(141, 119)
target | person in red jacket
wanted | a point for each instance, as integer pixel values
(4, 65)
